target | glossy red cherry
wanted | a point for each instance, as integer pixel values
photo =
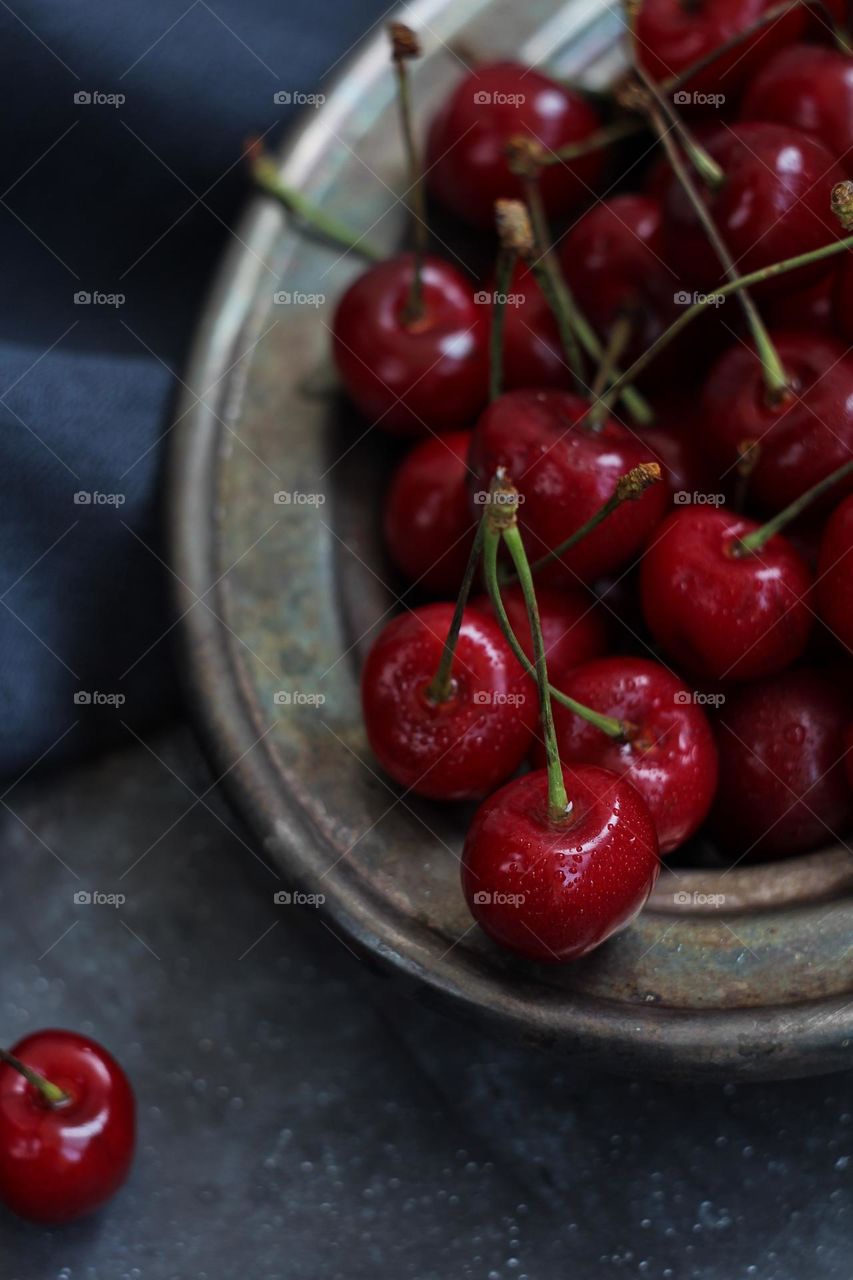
(532, 351)
(428, 525)
(783, 787)
(551, 892)
(466, 167)
(59, 1162)
(410, 377)
(721, 615)
(565, 472)
(811, 87)
(835, 574)
(774, 203)
(572, 627)
(803, 438)
(464, 747)
(671, 35)
(670, 756)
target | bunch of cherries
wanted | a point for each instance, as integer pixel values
(651, 493)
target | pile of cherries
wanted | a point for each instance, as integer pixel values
(650, 492)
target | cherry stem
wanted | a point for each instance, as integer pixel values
(617, 341)
(754, 541)
(775, 377)
(597, 141)
(404, 47)
(51, 1093)
(705, 165)
(503, 275)
(266, 176)
(743, 282)
(440, 688)
(549, 278)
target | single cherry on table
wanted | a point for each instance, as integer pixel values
(60, 1160)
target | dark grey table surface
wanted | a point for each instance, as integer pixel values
(300, 1118)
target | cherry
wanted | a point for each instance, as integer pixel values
(809, 309)
(552, 891)
(671, 35)
(783, 787)
(466, 167)
(459, 748)
(843, 300)
(835, 574)
(810, 87)
(532, 351)
(60, 1160)
(721, 614)
(411, 376)
(676, 447)
(565, 470)
(572, 626)
(804, 437)
(774, 203)
(427, 522)
(669, 755)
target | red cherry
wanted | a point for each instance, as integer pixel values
(803, 438)
(843, 300)
(670, 757)
(810, 309)
(671, 35)
(552, 892)
(565, 472)
(783, 787)
(410, 377)
(466, 168)
(460, 749)
(722, 615)
(676, 447)
(61, 1161)
(810, 87)
(428, 525)
(532, 350)
(774, 203)
(835, 574)
(572, 626)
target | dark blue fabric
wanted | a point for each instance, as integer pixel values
(131, 199)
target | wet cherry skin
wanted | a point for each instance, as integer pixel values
(572, 626)
(803, 438)
(409, 378)
(774, 203)
(565, 471)
(466, 168)
(670, 756)
(720, 615)
(834, 588)
(783, 787)
(552, 892)
(810, 87)
(671, 35)
(460, 749)
(427, 521)
(58, 1163)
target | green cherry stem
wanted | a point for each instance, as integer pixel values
(503, 276)
(51, 1093)
(405, 46)
(753, 542)
(617, 341)
(266, 177)
(440, 687)
(604, 137)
